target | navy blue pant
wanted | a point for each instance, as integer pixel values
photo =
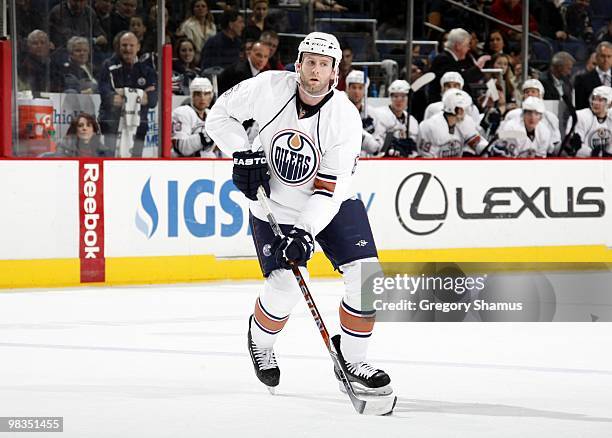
(347, 238)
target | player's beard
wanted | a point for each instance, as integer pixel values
(316, 89)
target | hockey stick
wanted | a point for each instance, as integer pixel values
(566, 140)
(380, 406)
(414, 87)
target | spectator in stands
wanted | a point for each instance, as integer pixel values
(103, 9)
(270, 39)
(590, 64)
(602, 75)
(495, 43)
(439, 48)
(184, 67)
(606, 33)
(75, 75)
(507, 82)
(139, 28)
(242, 70)
(120, 17)
(511, 11)
(28, 19)
(475, 46)
(199, 26)
(83, 139)
(329, 5)
(128, 88)
(256, 23)
(578, 20)
(447, 16)
(245, 50)
(556, 80)
(549, 19)
(152, 25)
(452, 58)
(74, 18)
(346, 65)
(223, 49)
(35, 66)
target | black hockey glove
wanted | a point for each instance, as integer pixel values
(250, 172)
(499, 149)
(296, 247)
(401, 147)
(206, 141)
(575, 143)
(368, 124)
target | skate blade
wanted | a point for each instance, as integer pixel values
(363, 390)
(272, 389)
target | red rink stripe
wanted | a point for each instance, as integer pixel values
(91, 221)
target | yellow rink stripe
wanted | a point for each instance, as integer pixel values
(178, 269)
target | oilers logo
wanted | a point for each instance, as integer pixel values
(601, 140)
(294, 157)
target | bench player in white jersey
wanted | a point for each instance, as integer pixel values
(448, 133)
(451, 79)
(356, 88)
(304, 156)
(391, 126)
(593, 134)
(533, 87)
(533, 137)
(189, 137)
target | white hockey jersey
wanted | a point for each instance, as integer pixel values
(324, 146)
(389, 123)
(549, 118)
(186, 128)
(437, 140)
(524, 147)
(596, 135)
(436, 107)
(370, 143)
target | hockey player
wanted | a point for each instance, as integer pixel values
(391, 127)
(189, 137)
(451, 79)
(447, 133)
(304, 156)
(593, 133)
(533, 87)
(356, 88)
(533, 138)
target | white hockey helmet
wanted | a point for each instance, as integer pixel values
(321, 43)
(200, 84)
(604, 92)
(533, 103)
(451, 76)
(356, 77)
(398, 86)
(533, 83)
(454, 99)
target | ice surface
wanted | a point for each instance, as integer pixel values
(171, 361)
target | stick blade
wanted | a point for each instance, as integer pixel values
(380, 406)
(422, 81)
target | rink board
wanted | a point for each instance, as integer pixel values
(67, 222)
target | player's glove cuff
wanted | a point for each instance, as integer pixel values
(250, 172)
